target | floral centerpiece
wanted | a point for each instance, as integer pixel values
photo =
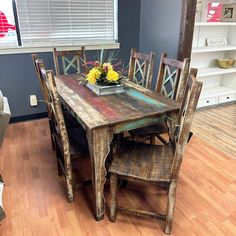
(105, 76)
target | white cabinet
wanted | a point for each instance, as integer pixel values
(219, 85)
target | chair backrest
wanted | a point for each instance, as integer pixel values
(184, 121)
(59, 122)
(38, 64)
(141, 68)
(35, 58)
(72, 61)
(172, 77)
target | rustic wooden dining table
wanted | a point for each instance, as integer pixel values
(104, 116)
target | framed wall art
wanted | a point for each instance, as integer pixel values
(228, 12)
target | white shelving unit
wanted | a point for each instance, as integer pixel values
(215, 23)
(210, 71)
(219, 85)
(213, 48)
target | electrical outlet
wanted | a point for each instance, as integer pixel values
(33, 101)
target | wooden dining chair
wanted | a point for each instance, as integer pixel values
(171, 82)
(36, 63)
(156, 164)
(73, 61)
(141, 68)
(2, 212)
(172, 77)
(71, 144)
(69, 119)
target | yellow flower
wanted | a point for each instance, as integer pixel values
(95, 72)
(93, 75)
(91, 79)
(108, 66)
(112, 75)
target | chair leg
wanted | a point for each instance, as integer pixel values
(152, 140)
(190, 136)
(58, 156)
(162, 139)
(52, 132)
(2, 213)
(113, 200)
(53, 143)
(68, 176)
(120, 139)
(170, 207)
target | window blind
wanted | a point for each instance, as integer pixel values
(66, 22)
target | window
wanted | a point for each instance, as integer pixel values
(62, 22)
(8, 36)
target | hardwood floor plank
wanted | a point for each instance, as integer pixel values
(218, 127)
(35, 197)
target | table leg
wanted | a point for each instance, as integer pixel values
(99, 147)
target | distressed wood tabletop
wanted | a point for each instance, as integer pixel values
(93, 111)
(104, 116)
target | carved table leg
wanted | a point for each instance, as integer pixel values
(99, 141)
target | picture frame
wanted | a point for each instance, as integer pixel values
(228, 12)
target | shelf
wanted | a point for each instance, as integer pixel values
(218, 83)
(213, 48)
(215, 23)
(211, 71)
(216, 91)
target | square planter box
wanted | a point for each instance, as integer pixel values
(106, 90)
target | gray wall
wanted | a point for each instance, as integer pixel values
(129, 26)
(17, 75)
(18, 81)
(160, 27)
(148, 25)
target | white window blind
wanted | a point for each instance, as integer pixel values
(66, 22)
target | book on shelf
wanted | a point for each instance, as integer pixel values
(214, 12)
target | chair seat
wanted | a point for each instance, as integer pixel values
(151, 130)
(143, 161)
(77, 140)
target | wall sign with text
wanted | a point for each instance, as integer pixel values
(216, 41)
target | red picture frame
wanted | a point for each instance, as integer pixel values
(214, 12)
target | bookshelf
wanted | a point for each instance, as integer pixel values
(219, 85)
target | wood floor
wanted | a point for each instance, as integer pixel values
(218, 127)
(35, 200)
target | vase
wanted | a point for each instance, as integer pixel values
(106, 90)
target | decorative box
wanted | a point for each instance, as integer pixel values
(106, 90)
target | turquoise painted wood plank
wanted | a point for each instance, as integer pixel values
(139, 123)
(138, 95)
